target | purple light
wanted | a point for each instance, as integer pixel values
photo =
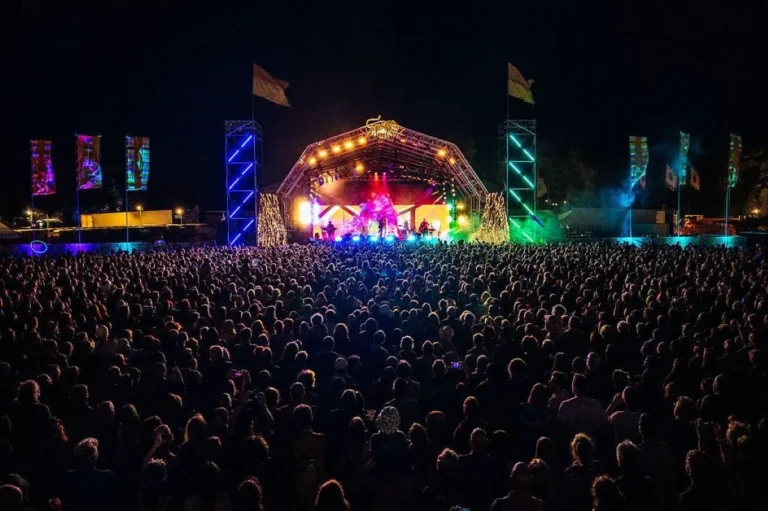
(240, 176)
(246, 141)
(233, 155)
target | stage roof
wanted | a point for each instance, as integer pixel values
(378, 147)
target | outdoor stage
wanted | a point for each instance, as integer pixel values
(385, 180)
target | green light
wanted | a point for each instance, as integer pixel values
(527, 208)
(528, 154)
(515, 223)
(528, 181)
(516, 196)
(514, 167)
(526, 235)
(450, 206)
(517, 142)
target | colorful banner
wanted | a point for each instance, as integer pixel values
(43, 180)
(695, 180)
(136, 163)
(638, 158)
(88, 162)
(685, 144)
(671, 179)
(734, 161)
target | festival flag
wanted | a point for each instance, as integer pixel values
(638, 158)
(685, 144)
(43, 180)
(695, 181)
(136, 163)
(671, 179)
(517, 86)
(270, 88)
(88, 162)
(734, 160)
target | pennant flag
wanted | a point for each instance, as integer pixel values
(517, 86)
(269, 88)
(638, 158)
(734, 160)
(136, 163)
(695, 182)
(671, 179)
(88, 162)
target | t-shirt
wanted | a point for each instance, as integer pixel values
(582, 415)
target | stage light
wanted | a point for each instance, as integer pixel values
(441, 153)
(336, 149)
(348, 144)
(516, 141)
(450, 206)
(373, 239)
(451, 161)
(355, 238)
(337, 239)
(362, 140)
(411, 238)
(359, 167)
(390, 238)
(460, 206)
(312, 160)
(322, 153)
(305, 213)
(445, 236)
(436, 224)
(139, 207)
(462, 219)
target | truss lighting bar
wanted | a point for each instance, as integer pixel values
(516, 196)
(237, 151)
(516, 141)
(241, 232)
(241, 205)
(520, 173)
(241, 176)
(528, 154)
(520, 227)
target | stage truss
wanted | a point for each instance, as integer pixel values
(242, 164)
(406, 155)
(520, 175)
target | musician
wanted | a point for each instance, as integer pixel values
(424, 226)
(382, 225)
(330, 229)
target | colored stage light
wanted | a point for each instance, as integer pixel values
(390, 238)
(337, 239)
(348, 144)
(462, 219)
(312, 160)
(451, 161)
(305, 213)
(336, 149)
(529, 155)
(460, 206)
(322, 153)
(516, 141)
(441, 153)
(411, 238)
(450, 206)
(373, 239)
(359, 167)
(362, 140)
(355, 238)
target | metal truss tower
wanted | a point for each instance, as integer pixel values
(520, 176)
(243, 151)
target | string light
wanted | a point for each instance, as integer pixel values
(272, 231)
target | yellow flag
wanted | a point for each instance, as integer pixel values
(517, 86)
(268, 87)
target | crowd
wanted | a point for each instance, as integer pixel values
(574, 377)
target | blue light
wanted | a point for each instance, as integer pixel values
(246, 141)
(411, 238)
(355, 238)
(233, 155)
(241, 205)
(240, 176)
(390, 238)
(38, 247)
(337, 239)
(236, 238)
(528, 154)
(374, 239)
(516, 141)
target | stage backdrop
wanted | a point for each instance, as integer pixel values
(88, 162)
(136, 163)
(43, 180)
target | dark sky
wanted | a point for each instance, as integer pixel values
(176, 73)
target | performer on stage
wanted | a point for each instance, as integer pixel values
(382, 225)
(423, 226)
(330, 229)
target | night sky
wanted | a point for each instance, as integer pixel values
(602, 72)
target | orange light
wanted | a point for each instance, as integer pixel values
(402, 140)
(312, 160)
(361, 140)
(441, 153)
(348, 144)
(451, 161)
(359, 167)
(322, 153)
(336, 149)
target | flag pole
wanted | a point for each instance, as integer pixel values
(727, 205)
(679, 185)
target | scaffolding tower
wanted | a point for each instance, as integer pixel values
(520, 176)
(243, 151)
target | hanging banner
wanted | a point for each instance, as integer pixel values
(734, 161)
(685, 144)
(43, 180)
(136, 163)
(638, 158)
(88, 162)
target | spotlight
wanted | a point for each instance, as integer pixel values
(312, 160)
(390, 238)
(359, 167)
(322, 153)
(336, 149)
(441, 153)
(451, 161)
(355, 238)
(373, 239)
(337, 239)
(362, 140)
(411, 238)
(462, 219)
